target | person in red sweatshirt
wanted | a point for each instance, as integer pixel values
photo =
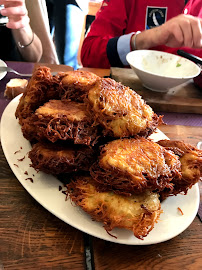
(124, 25)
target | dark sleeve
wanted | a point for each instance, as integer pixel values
(112, 53)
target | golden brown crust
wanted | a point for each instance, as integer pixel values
(61, 120)
(76, 84)
(137, 213)
(133, 165)
(120, 110)
(41, 87)
(60, 158)
(191, 166)
(178, 147)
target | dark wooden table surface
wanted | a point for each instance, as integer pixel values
(33, 238)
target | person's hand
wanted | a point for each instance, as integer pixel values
(180, 31)
(16, 12)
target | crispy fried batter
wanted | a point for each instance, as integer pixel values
(60, 158)
(120, 110)
(133, 165)
(41, 87)
(61, 120)
(178, 147)
(191, 166)
(137, 213)
(76, 84)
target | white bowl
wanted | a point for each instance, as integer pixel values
(160, 71)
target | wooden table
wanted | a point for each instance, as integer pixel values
(32, 238)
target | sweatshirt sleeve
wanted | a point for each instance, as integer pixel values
(103, 47)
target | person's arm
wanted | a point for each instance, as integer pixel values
(37, 9)
(101, 41)
(181, 31)
(27, 42)
(106, 45)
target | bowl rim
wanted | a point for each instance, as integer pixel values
(166, 53)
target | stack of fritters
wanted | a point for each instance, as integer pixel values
(97, 130)
(135, 171)
(108, 108)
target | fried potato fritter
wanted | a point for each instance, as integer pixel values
(191, 166)
(133, 165)
(41, 87)
(137, 213)
(120, 110)
(76, 84)
(59, 158)
(61, 120)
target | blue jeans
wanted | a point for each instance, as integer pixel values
(67, 19)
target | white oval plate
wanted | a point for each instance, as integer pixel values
(45, 190)
(2, 73)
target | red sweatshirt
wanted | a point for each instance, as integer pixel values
(108, 41)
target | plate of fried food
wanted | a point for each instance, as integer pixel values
(89, 150)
